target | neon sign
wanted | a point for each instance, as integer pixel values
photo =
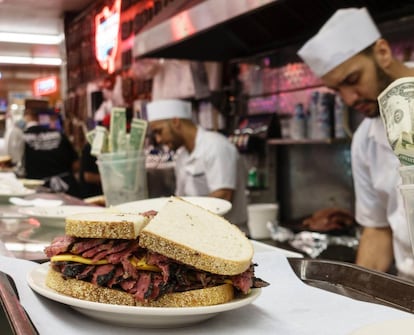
(45, 86)
(106, 36)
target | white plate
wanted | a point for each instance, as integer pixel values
(4, 197)
(32, 183)
(37, 202)
(398, 326)
(215, 205)
(96, 200)
(148, 317)
(55, 216)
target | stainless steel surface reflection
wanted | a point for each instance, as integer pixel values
(23, 236)
(356, 282)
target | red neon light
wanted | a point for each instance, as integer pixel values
(45, 86)
(106, 36)
(182, 26)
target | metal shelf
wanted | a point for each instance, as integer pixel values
(288, 141)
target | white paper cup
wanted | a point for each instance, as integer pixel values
(407, 192)
(258, 217)
(407, 174)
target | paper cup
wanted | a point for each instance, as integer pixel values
(258, 217)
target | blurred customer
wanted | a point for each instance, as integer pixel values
(207, 164)
(112, 97)
(107, 103)
(89, 177)
(352, 58)
(15, 144)
(49, 155)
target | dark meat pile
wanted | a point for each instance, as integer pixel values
(329, 219)
(119, 273)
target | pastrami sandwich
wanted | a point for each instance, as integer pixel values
(181, 256)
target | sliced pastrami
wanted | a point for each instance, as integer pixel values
(103, 274)
(60, 244)
(71, 270)
(84, 244)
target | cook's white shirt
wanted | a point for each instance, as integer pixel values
(378, 199)
(213, 164)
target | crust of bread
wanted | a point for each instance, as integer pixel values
(197, 237)
(105, 225)
(189, 256)
(88, 291)
(202, 297)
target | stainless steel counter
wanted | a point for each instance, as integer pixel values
(24, 237)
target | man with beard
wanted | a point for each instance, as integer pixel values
(207, 164)
(350, 57)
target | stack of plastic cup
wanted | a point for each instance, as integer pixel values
(407, 174)
(123, 177)
(407, 191)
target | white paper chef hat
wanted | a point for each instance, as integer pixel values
(168, 109)
(346, 33)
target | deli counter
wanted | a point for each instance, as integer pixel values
(305, 294)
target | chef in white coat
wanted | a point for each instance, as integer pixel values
(350, 56)
(207, 164)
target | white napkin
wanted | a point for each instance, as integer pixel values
(9, 184)
(287, 307)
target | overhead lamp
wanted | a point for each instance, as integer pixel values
(31, 38)
(30, 60)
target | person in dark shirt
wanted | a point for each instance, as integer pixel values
(89, 177)
(49, 155)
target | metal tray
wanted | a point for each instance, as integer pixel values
(356, 282)
(19, 321)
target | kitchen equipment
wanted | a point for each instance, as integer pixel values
(253, 130)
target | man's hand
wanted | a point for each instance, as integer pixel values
(223, 193)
